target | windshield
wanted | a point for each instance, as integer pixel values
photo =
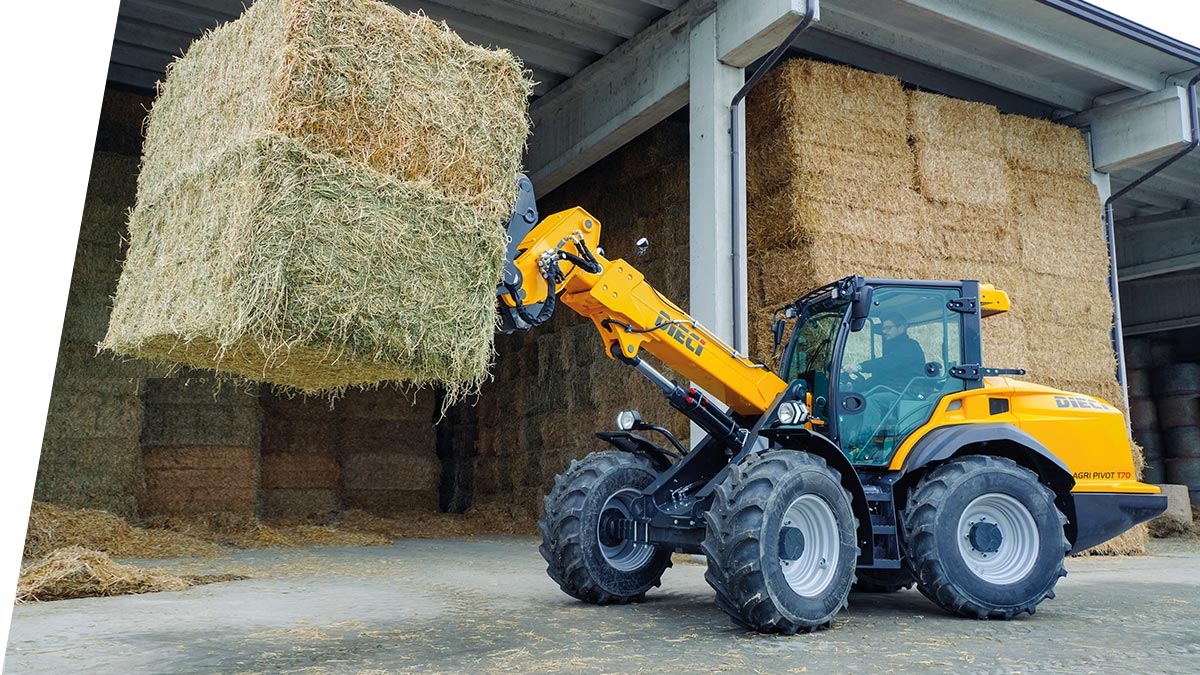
(812, 348)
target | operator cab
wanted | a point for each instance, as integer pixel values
(877, 355)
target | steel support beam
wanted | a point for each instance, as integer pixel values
(612, 101)
(1158, 245)
(1161, 303)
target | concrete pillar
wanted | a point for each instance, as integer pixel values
(712, 86)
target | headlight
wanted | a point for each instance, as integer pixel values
(628, 419)
(792, 412)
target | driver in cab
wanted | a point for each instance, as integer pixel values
(902, 357)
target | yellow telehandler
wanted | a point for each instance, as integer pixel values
(883, 451)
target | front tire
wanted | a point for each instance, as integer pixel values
(985, 538)
(781, 543)
(588, 564)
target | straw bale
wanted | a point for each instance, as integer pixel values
(399, 438)
(97, 265)
(794, 216)
(76, 572)
(778, 157)
(801, 91)
(112, 180)
(945, 122)
(1063, 253)
(191, 480)
(1041, 145)
(79, 366)
(196, 424)
(391, 501)
(55, 526)
(388, 403)
(189, 500)
(101, 473)
(122, 114)
(278, 406)
(1055, 349)
(947, 174)
(1068, 300)
(86, 318)
(299, 471)
(284, 436)
(356, 78)
(92, 414)
(964, 232)
(292, 502)
(389, 471)
(280, 265)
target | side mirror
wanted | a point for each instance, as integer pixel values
(641, 246)
(860, 307)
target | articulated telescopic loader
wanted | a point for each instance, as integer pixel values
(882, 452)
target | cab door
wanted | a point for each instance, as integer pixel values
(893, 371)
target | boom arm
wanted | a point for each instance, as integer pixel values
(562, 254)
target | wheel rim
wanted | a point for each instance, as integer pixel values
(621, 554)
(998, 538)
(808, 545)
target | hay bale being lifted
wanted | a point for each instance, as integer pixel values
(321, 198)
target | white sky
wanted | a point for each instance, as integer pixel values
(1179, 19)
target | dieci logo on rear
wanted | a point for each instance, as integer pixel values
(1079, 402)
(691, 341)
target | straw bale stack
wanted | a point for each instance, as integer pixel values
(200, 443)
(386, 447)
(318, 206)
(299, 473)
(995, 197)
(90, 453)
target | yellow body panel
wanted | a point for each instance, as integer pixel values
(1086, 433)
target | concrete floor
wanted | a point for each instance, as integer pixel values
(486, 606)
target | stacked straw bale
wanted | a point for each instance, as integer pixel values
(320, 197)
(849, 173)
(200, 446)
(555, 387)
(300, 474)
(90, 453)
(386, 444)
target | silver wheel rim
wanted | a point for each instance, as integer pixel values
(1019, 544)
(811, 573)
(625, 555)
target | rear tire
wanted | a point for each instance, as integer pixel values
(781, 543)
(587, 565)
(985, 538)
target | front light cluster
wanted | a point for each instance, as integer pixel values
(792, 412)
(627, 420)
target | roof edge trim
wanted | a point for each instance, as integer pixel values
(1127, 28)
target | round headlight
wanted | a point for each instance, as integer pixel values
(627, 419)
(792, 412)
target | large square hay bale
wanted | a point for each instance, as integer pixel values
(281, 265)
(320, 201)
(358, 79)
